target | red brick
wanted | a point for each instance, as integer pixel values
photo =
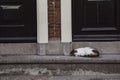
(54, 19)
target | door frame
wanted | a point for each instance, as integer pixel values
(66, 21)
(42, 21)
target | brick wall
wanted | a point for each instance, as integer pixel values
(54, 19)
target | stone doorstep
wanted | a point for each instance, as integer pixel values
(114, 59)
(92, 77)
(87, 77)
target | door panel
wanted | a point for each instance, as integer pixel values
(90, 13)
(106, 13)
(99, 20)
(18, 21)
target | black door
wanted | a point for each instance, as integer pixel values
(18, 21)
(95, 20)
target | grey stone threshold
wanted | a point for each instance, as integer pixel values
(88, 77)
(58, 59)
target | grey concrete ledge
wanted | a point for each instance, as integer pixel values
(58, 59)
(88, 77)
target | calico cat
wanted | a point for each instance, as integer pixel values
(85, 52)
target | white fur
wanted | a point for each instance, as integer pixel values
(84, 51)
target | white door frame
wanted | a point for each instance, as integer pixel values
(66, 23)
(42, 21)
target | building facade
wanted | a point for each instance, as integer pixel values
(58, 24)
(37, 36)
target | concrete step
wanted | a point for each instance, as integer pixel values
(87, 77)
(108, 59)
(59, 69)
(105, 67)
(54, 48)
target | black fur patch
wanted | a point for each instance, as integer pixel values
(72, 53)
(96, 53)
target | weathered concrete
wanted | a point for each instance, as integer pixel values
(59, 59)
(54, 47)
(18, 48)
(103, 47)
(66, 48)
(42, 49)
(60, 72)
(26, 77)
(59, 69)
(110, 77)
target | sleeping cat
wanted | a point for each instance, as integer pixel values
(85, 52)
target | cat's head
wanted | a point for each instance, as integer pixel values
(72, 53)
(96, 53)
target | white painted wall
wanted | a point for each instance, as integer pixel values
(66, 24)
(42, 21)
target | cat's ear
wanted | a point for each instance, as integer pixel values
(72, 53)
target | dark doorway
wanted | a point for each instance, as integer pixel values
(18, 21)
(96, 20)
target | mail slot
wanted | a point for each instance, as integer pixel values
(18, 21)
